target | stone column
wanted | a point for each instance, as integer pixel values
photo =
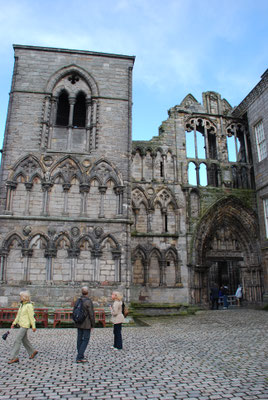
(117, 265)
(52, 120)
(162, 265)
(66, 188)
(94, 125)
(84, 190)
(102, 190)
(119, 191)
(28, 186)
(45, 122)
(50, 253)
(46, 187)
(88, 122)
(136, 213)
(11, 186)
(149, 220)
(70, 124)
(27, 254)
(3, 259)
(95, 255)
(73, 255)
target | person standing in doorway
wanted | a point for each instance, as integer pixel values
(214, 297)
(238, 295)
(117, 320)
(25, 319)
(84, 328)
(225, 293)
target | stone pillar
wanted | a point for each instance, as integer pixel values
(66, 188)
(162, 265)
(95, 255)
(94, 125)
(117, 265)
(119, 191)
(11, 186)
(70, 124)
(28, 186)
(84, 189)
(50, 253)
(149, 219)
(45, 122)
(136, 213)
(52, 119)
(73, 255)
(27, 254)
(46, 187)
(88, 121)
(102, 190)
(3, 260)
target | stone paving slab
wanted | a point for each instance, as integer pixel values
(210, 356)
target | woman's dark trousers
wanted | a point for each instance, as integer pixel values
(118, 336)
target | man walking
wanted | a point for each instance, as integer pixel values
(84, 328)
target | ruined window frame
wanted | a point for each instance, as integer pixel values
(265, 207)
(260, 141)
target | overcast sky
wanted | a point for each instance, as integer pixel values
(181, 46)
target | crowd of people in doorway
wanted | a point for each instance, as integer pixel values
(219, 296)
(83, 315)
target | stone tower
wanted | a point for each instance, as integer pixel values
(65, 177)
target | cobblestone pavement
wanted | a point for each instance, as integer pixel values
(210, 356)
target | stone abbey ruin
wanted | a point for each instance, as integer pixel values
(160, 220)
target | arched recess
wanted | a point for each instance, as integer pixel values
(140, 207)
(13, 263)
(155, 266)
(61, 271)
(84, 268)
(137, 164)
(70, 111)
(110, 259)
(22, 197)
(64, 198)
(37, 261)
(226, 251)
(172, 275)
(139, 265)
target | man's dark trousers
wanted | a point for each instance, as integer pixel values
(83, 336)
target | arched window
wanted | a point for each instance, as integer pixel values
(192, 174)
(63, 109)
(79, 117)
(203, 174)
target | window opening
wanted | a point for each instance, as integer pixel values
(161, 169)
(192, 174)
(265, 206)
(79, 118)
(260, 141)
(63, 109)
(203, 175)
(166, 223)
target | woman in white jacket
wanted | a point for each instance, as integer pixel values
(117, 319)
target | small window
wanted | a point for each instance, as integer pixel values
(63, 109)
(79, 118)
(260, 141)
(265, 206)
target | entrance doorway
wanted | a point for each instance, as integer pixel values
(225, 273)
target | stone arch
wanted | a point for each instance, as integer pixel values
(226, 247)
(69, 70)
(13, 265)
(139, 265)
(37, 243)
(103, 170)
(172, 275)
(155, 267)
